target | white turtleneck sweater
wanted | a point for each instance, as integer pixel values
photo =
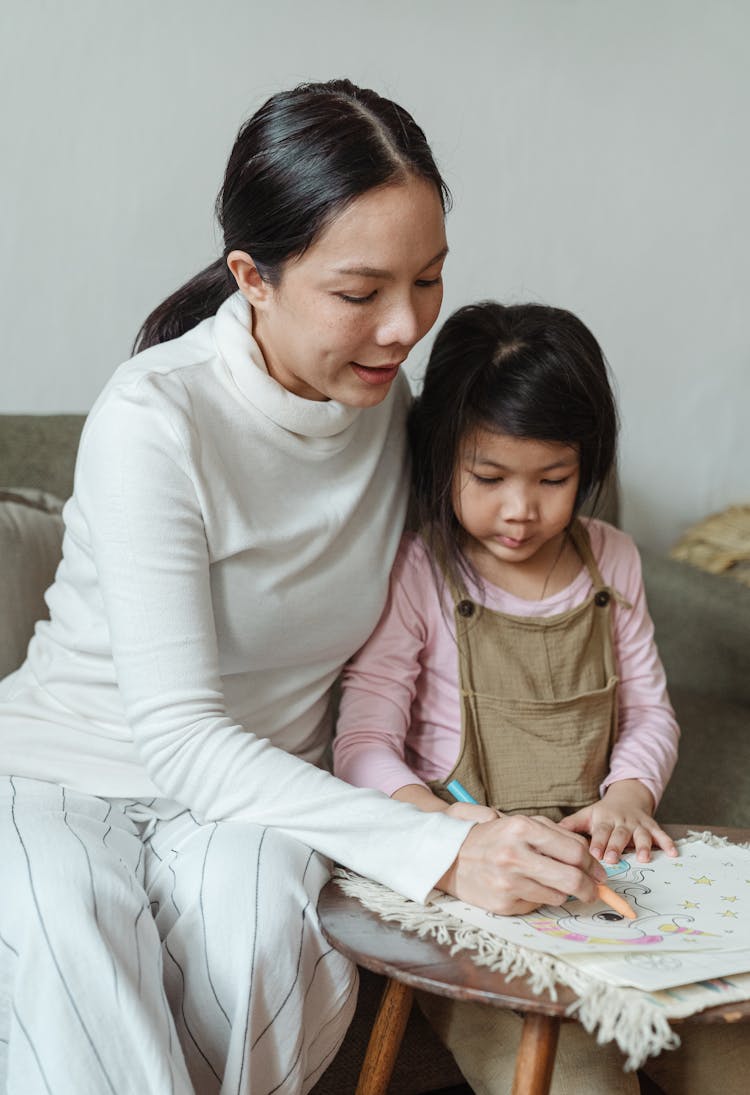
(227, 547)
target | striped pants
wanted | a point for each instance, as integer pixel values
(142, 953)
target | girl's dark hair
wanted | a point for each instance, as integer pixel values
(297, 162)
(526, 370)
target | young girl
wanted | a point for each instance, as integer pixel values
(515, 653)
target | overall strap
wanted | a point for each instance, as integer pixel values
(582, 543)
(579, 535)
(458, 592)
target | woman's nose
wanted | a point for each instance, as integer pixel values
(400, 326)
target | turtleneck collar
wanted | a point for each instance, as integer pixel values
(241, 353)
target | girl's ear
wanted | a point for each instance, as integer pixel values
(249, 282)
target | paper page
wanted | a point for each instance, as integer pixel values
(699, 902)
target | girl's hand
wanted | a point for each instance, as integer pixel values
(621, 818)
(423, 798)
(472, 811)
(514, 864)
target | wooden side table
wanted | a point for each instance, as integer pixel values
(412, 963)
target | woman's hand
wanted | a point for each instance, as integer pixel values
(514, 864)
(622, 817)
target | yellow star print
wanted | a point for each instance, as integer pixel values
(704, 880)
(690, 905)
(729, 899)
(729, 912)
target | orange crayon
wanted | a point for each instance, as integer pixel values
(615, 901)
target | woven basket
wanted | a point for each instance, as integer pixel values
(720, 544)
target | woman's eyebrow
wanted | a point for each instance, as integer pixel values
(374, 272)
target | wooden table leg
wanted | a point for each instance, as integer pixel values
(536, 1054)
(385, 1040)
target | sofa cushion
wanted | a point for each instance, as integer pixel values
(39, 450)
(31, 530)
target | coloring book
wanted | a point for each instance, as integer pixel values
(692, 922)
(686, 950)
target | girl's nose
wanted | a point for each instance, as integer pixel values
(519, 504)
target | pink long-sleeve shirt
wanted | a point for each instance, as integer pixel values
(400, 717)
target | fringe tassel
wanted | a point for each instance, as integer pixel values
(707, 837)
(611, 1013)
(633, 1019)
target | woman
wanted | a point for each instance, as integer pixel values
(239, 497)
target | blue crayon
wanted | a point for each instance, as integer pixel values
(459, 792)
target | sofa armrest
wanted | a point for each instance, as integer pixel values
(702, 626)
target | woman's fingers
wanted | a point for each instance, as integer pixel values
(516, 863)
(534, 895)
(521, 861)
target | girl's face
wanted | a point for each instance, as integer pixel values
(514, 498)
(348, 311)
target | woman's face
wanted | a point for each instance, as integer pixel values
(348, 311)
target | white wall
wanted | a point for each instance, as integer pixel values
(598, 153)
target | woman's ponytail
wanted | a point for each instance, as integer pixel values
(194, 301)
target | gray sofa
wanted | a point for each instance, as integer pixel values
(703, 630)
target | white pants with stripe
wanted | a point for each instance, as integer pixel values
(142, 953)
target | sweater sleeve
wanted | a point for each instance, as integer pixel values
(137, 493)
(646, 746)
(379, 687)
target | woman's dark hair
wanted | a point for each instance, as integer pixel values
(297, 162)
(524, 369)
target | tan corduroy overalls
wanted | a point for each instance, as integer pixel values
(539, 712)
(538, 701)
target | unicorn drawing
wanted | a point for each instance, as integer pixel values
(599, 924)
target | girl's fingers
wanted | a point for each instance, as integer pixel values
(578, 822)
(642, 841)
(469, 811)
(618, 841)
(600, 836)
(643, 836)
(664, 842)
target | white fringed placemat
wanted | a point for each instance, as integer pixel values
(636, 1020)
